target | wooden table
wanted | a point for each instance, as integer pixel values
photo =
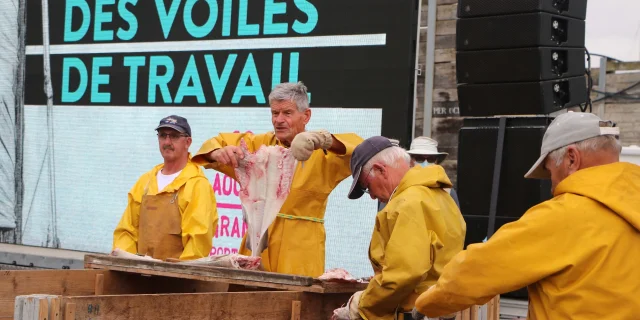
(123, 289)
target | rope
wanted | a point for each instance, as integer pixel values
(288, 216)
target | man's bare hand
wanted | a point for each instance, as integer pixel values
(229, 155)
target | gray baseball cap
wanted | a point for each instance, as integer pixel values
(566, 129)
(360, 156)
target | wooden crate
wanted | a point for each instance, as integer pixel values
(123, 289)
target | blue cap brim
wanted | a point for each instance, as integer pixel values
(356, 191)
(170, 126)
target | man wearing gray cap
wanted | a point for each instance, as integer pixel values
(171, 210)
(415, 235)
(573, 252)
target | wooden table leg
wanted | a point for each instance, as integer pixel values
(295, 310)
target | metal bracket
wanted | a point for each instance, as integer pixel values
(495, 187)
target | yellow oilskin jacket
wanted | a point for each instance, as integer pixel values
(197, 205)
(415, 235)
(296, 239)
(576, 253)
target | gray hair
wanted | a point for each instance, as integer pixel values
(599, 143)
(289, 91)
(389, 157)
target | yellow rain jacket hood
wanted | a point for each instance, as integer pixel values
(197, 204)
(415, 235)
(576, 253)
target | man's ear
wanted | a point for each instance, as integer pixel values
(574, 157)
(381, 169)
(307, 116)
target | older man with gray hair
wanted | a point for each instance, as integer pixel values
(296, 242)
(415, 235)
(573, 252)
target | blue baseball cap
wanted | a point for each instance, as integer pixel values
(176, 123)
(361, 155)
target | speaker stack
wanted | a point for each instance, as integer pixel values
(517, 61)
(520, 56)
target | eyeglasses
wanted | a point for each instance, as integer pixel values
(173, 136)
(366, 189)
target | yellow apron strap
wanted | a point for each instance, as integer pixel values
(288, 216)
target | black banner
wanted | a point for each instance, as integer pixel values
(220, 53)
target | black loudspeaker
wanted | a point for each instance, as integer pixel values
(519, 31)
(478, 8)
(541, 97)
(478, 142)
(517, 65)
(517, 145)
(520, 57)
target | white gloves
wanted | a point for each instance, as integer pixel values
(350, 311)
(353, 304)
(306, 142)
(415, 314)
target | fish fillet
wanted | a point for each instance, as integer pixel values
(234, 261)
(265, 179)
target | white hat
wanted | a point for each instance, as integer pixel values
(566, 129)
(425, 146)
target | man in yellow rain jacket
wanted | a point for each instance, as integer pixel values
(171, 211)
(415, 235)
(575, 252)
(296, 239)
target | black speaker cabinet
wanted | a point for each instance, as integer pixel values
(478, 141)
(517, 98)
(519, 65)
(476, 155)
(519, 31)
(478, 8)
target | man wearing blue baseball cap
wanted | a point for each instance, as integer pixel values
(574, 253)
(171, 212)
(415, 235)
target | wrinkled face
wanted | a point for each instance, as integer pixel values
(385, 179)
(173, 144)
(287, 120)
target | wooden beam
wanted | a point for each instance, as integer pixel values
(99, 285)
(83, 282)
(493, 308)
(44, 310)
(445, 55)
(621, 65)
(267, 305)
(295, 310)
(70, 311)
(445, 95)
(447, 12)
(56, 282)
(177, 270)
(445, 41)
(222, 275)
(445, 27)
(56, 313)
(36, 307)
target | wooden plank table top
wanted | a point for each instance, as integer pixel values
(248, 278)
